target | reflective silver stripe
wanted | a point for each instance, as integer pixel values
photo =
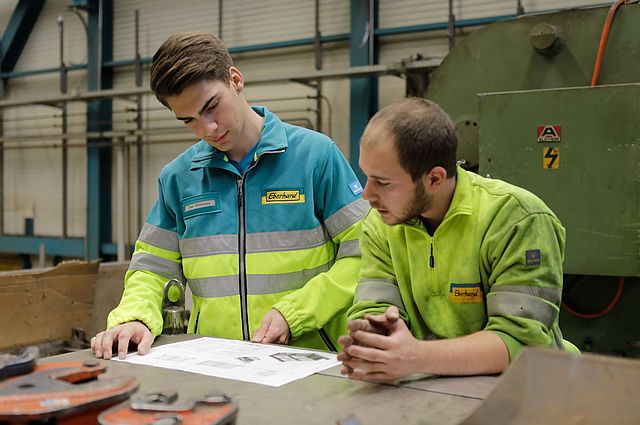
(256, 242)
(159, 237)
(550, 294)
(521, 305)
(272, 284)
(379, 290)
(347, 216)
(215, 287)
(286, 241)
(348, 249)
(558, 338)
(209, 245)
(257, 284)
(158, 265)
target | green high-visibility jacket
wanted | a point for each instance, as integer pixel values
(494, 263)
(282, 235)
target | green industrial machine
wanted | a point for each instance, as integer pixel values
(529, 109)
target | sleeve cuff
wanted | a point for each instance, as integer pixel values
(513, 345)
(291, 316)
(115, 319)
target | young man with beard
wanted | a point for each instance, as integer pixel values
(458, 272)
(261, 218)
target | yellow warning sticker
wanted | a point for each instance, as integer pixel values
(550, 158)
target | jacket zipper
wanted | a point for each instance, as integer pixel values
(432, 260)
(242, 250)
(242, 270)
(327, 340)
(433, 281)
(195, 327)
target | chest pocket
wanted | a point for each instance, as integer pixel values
(197, 213)
(204, 203)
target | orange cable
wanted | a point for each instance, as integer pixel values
(603, 40)
(594, 81)
(606, 310)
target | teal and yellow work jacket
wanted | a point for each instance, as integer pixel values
(284, 235)
(494, 263)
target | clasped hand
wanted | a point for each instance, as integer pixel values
(380, 348)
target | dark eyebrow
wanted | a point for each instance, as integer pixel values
(203, 109)
(373, 176)
(207, 103)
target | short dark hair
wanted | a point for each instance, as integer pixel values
(423, 134)
(187, 58)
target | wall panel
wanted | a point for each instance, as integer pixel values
(33, 176)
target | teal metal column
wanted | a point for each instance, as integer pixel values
(364, 91)
(17, 31)
(99, 154)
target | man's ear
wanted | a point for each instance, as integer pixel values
(434, 179)
(236, 79)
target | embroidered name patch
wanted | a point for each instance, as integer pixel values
(283, 197)
(532, 257)
(356, 187)
(201, 204)
(465, 293)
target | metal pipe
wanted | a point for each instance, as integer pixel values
(451, 27)
(120, 225)
(220, 19)
(42, 255)
(279, 99)
(372, 32)
(101, 134)
(288, 111)
(318, 64)
(136, 36)
(92, 95)
(65, 153)
(329, 113)
(100, 53)
(129, 215)
(33, 117)
(139, 151)
(353, 72)
(185, 138)
(379, 32)
(301, 119)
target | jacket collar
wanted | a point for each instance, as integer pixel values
(462, 196)
(461, 203)
(273, 138)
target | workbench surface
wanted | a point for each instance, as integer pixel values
(323, 398)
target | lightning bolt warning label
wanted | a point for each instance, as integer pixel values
(550, 158)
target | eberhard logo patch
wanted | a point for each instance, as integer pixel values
(283, 197)
(465, 293)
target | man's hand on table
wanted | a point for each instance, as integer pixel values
(274, 329)
(134, 332)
